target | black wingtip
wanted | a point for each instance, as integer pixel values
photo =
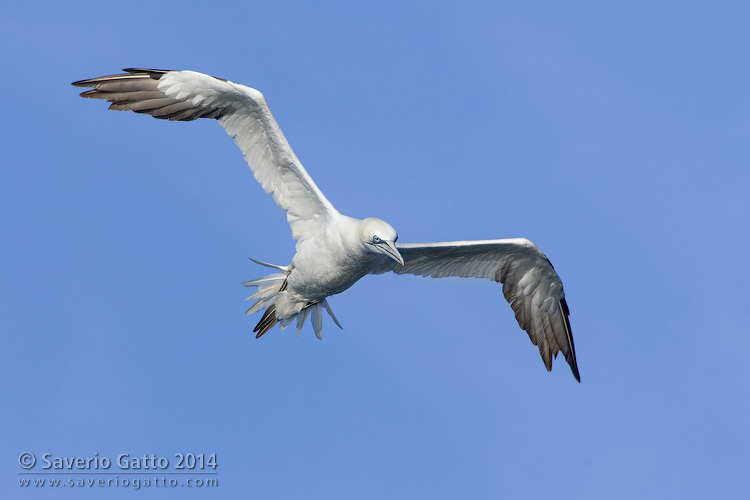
(570, 357)
(153, 73)
(82, 83)
(577, 375)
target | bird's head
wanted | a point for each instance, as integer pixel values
(379, 237)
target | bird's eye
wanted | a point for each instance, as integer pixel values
(376, 239)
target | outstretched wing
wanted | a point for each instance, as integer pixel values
(530, 284)
(243, 113)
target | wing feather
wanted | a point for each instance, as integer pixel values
(243, 113)
(530, 284)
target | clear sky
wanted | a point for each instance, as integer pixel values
(613, 136)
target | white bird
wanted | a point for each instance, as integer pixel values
(333, 250)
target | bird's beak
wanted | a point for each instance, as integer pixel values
(389, 248)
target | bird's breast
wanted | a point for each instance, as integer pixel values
(323, 271)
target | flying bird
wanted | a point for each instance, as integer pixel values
(333, 251)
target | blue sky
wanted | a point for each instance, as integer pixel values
(613, 136)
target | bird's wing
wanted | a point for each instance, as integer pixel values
(530, 284)
(243, 113)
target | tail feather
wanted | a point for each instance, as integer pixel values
(266, 279)
(269, 288)
(266, 322)
(301, 317)
(285, 269)
(330, 312)
(317, 321)
(266, 297)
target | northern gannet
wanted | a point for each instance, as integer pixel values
(334, 250)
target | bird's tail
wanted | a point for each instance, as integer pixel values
(269, 287)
